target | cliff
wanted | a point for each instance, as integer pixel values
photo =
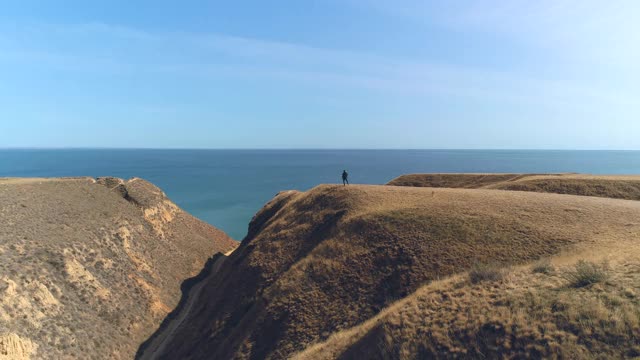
(364, 271)
(89, 268)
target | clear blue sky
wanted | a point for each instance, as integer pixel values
(553, 74)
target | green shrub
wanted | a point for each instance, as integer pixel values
(587, 273)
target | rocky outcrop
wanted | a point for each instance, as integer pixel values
(13, 347)
(90, 267)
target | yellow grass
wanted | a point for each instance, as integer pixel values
(317, 265)
(524, 315)
(618, 186)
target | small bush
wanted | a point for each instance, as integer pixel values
(485, 272)
(587, 273)
(543, 267)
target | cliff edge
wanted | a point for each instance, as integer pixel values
(317, 265)
(90, 267)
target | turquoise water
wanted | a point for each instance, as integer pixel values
(226, 187)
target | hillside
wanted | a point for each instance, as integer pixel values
(89, 268)
(324, 261)
(617, 187)
(525, 314)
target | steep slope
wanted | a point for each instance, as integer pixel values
(323, 261)
(88, 268)
(533, 312)
(617, 187)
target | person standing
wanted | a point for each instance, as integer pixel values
(345, 178)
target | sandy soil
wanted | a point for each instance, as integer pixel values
(89, 268)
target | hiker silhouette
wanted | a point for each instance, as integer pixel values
(345, 178)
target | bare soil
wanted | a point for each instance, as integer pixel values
(88, 269)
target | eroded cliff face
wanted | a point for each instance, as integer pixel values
(89, 268)
(13, 347)
(320, 262)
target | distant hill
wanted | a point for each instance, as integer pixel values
(381, 272)
(617, 187)
(89, 268)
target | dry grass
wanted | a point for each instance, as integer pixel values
(83, 274)
(543, 267)
(321, 262)
(466, 181)
(616, 187)
(485, 272)
(525, 316)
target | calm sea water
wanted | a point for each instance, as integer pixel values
(227, 187)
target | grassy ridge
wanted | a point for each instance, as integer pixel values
(615, 187)
(525, 314)
(322, 262)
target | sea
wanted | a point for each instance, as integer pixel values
(227, 187)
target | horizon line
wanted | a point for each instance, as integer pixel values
(299, 149)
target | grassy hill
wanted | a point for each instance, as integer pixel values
(89, 268)
(563, 308)
(617, 187)
(342, 271)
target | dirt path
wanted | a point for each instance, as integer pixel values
(158, 344)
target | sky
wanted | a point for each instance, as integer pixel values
(405, 74)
